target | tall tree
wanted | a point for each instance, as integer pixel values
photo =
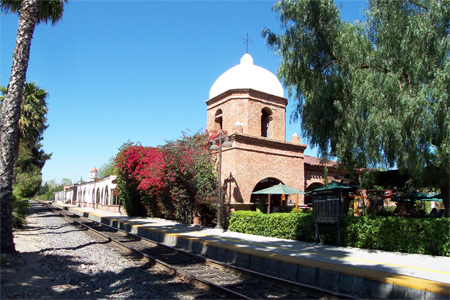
(31, 12)
(33, 115)
(375, 92)
(29, 164)
(107, 168)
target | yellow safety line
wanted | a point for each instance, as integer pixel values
(293, 250)
(327, 255)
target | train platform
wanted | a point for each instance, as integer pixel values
(368, 273)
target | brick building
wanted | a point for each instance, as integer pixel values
(248, 103)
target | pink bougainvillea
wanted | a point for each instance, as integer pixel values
(174, 177)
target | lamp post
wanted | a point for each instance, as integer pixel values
(214, 147)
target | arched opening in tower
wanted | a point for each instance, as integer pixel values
(266, 117)
(218, 120)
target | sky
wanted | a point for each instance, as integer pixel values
(138, 71)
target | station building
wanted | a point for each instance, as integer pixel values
(95, 193)
(247, 103)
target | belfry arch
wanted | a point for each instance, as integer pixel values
(266, 117)
(218, 120)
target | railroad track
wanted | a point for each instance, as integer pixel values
(223, 280)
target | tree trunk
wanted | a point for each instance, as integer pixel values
(445, 190)
(10, 114)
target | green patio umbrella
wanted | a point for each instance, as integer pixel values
(336, 185)
(279, 189)
(411, 196)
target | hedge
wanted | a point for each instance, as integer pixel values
(419, 236)
(293, 226)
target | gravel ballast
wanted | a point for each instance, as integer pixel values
(70, 263)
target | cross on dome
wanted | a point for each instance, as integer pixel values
(247, 41)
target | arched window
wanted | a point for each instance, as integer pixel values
(218, 119)
(266, 117)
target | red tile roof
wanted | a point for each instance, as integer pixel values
(316, 161)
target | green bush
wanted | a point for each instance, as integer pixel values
(420, 236)
(27, 184)
(19, 211)
(130, 197)
(46, 196)
(280, 225)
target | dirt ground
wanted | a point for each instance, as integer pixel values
(20, 274)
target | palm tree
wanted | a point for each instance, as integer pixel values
(33, 111)
(32, 121)
(31, 12)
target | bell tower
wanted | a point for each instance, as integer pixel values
(248, 103)
(93, 174)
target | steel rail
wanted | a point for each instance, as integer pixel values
(199, 282)
(191, 279)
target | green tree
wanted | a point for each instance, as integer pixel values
(28, 169)
(107, 168)
(31, 12)
(325, 176)
(44, 189)
(375, 92)
(30, 158)
(66, 182)
(33, 115)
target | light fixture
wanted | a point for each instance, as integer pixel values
(214, 147)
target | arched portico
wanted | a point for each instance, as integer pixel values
(106, 202)
(99, 194)
(309, 188)
(313, 186)
(271, 201)
(97, 198)
(253, 168)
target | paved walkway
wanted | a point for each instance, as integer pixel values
(414, 266)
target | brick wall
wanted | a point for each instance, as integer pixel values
(253, 157)
(314, 174)
(245, 107)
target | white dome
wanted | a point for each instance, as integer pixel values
(247, 76)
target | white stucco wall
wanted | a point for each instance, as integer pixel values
(104, 188)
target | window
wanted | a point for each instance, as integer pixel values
(266, 117)
(218, 120)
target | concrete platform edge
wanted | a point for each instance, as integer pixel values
(366, 283)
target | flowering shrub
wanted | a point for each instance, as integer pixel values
(128, 163)
(174, 180)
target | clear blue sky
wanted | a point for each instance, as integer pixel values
(137, 70)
